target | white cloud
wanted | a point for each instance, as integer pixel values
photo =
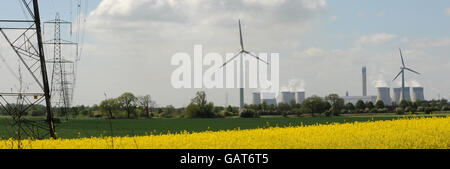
(314, 52)
(136, 39)
(333, 18)
(447, 11)
(376, 38)
(381, 13)
(426, 43)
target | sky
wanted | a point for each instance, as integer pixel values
(323, 44)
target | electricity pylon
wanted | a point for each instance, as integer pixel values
(33, 58)
(63, 69)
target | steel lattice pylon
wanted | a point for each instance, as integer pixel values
(33, 58)
(63, 69)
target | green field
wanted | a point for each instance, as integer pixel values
(75, 128)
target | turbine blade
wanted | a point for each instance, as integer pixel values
(251, 54)
(240, 34)
(401, 55)
(234, 57)
(412, 71)
(397, 75)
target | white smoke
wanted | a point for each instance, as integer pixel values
(380, 82)
(413, 83)
(268, 95)
(294, 85)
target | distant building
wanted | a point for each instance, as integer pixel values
(396, 95)
(417, 94)
(287, 97)
(300, 97)
(256, 98)
(355, 99)
(269, 98)
(384, 95)
(407, 94)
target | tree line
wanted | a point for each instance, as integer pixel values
(130, 106)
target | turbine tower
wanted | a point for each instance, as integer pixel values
(402, 72)
(241, 53)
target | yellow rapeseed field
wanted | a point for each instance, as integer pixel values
(419, 133)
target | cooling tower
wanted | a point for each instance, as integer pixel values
(396, 95)
(418, 94)
(268, 98)
(407, 94)
(270, 101)
(256, 98)
(287, 97)
(300, 97)
(384, 95)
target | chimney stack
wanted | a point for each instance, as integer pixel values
(364, 81)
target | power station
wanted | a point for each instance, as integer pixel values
(417, 94)
(384, 94)
(300, 97)
(396, 95)
(285, 97)
(405, 94)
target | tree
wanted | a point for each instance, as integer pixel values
(370, 105)
(360, 105)
(404, 104)
(379, 104)
(283, 107)
(315, 104)
(128, 103)
(349, 106)
(109, 107)
(199, 107)
(337, 104)
(443, 102)
(147, 104)
(304, 110)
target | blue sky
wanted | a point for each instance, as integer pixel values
(411, 18)
(323, 43)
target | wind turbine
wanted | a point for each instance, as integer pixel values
(241, 53)
(402, 72)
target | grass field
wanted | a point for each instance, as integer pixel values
(412, 133)
(76, 128)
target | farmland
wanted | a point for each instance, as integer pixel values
(90, 127)
(415, 133)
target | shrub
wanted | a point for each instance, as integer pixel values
(329, 113)
(445, 108)
(374, 110)
(436, 108)
(226, 113)
(428, 110)
(248, 113)
(409, 110)
(35, 113)
(420, 109)
(383, 110)
(297, 112)
(399, 111)
(164, 115)
(284, 114)
(305, 110)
